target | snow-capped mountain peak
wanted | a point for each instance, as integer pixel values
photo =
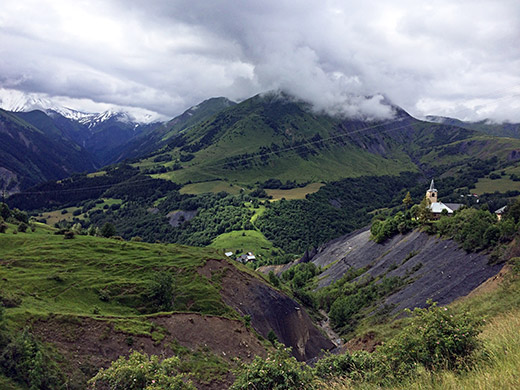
(17, 101)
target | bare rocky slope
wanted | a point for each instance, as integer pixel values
(269, 310)
(438, 269)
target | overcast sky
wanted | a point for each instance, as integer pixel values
(457, 58)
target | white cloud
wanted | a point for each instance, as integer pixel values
(166, 55)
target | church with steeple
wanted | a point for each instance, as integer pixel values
(437, 207)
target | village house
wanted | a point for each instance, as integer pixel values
(249, 256)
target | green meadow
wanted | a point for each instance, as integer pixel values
(100, 277)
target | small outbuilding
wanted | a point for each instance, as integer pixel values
(500, 212)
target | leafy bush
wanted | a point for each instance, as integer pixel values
(22, 228)
(273, 279)
(140, 372)
(4, 211)
(25, 361)
(355, 366)
(400, 223)
(161, 291)
(279, 371)
(473, 229)
(300, 274)
(436, 338)
(108, 230)
(20, 216)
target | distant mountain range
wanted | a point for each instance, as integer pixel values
(268, 136)
(97, 139)
(488, 127)
(16, 101)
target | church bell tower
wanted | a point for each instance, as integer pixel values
(431, 194)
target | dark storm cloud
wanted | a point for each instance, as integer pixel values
(444, 57)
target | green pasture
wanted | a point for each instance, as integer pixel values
(100, 277)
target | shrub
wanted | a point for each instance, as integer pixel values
(68, 235)
(20, 216)
(273, 279)
(25, 361)
(400, 223)
(272, 337)
(436, 338)
(108, 230)
(3, 227)
(160, 291)
(140, 372)
(279, 371)
(4, 211)
(22, 228)
(355, 366)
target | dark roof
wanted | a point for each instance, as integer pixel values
(454, 206)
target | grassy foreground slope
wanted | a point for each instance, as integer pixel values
(88, 300)
(71, 306)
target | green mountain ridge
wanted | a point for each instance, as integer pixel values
(162, 135)
(268, 136)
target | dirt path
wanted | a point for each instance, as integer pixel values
(325, 325)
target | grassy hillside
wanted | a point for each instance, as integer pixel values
(86, 274)
(58, 289)
(81, 302)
